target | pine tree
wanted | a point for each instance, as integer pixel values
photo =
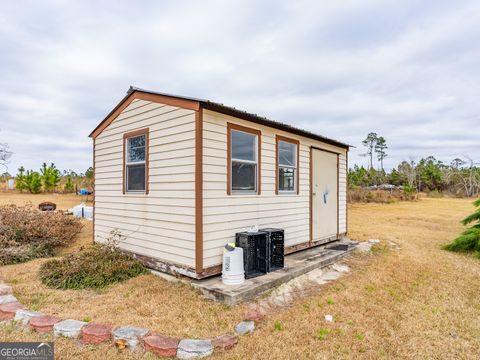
(469, 240)
(380, 149)
(370, 142)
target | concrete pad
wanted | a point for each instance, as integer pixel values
(296, 264)
(23, 316)
(194, 349)
(68, 328)
(5, 299)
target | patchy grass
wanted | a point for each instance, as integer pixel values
(414, 303)
(420, 302)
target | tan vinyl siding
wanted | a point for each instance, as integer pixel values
(224, 215)
(162, 223)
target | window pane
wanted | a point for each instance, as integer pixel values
(287, 153)
(286, 179)
(136, 177)
(136, 149)
(243, 176)
(243, 146)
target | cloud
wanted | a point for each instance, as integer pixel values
(406, 70)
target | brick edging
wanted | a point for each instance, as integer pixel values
(134, 338)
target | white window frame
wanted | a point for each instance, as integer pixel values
(232, 160)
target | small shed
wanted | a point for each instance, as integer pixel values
(178, 177)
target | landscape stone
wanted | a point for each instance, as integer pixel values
(23, 316)
(245, 327)
(5, 289)
(68, 328)
(341, 268)
(7, 311)
(194, 349)
(363, 247)
(130, 335)
(96, 333)
(5, 299)
(225, 342)
(254, 315)
(43, 323)
(160, 345)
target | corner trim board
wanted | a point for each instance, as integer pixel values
(311, 195)
(199, 191)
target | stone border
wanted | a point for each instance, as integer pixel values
(134, 338)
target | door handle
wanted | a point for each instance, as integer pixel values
(314, 193)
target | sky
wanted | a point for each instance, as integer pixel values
(407, 70)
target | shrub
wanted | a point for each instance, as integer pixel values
(360, 194)
(469, 240)
(27, 233)
(50, 176)
(69, 186)
(94, 267)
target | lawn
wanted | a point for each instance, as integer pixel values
(419, 302)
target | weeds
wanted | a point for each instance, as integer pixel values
(278, 326)
(26, 233)
(323, 333)
(95, 267)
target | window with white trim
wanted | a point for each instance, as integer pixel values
(135, 163)
(244, 161)
(287, 166)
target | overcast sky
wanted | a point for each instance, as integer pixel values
(408, 70)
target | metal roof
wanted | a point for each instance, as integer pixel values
(232, 111)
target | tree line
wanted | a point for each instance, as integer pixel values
(50, 179)
(460, 177)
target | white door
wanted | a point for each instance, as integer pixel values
(324, 194)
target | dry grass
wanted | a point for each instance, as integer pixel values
(417, 303)
(169, 308)
(63, 201)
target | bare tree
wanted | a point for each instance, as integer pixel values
(5, 155)
(409, 171)
(466, 178)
